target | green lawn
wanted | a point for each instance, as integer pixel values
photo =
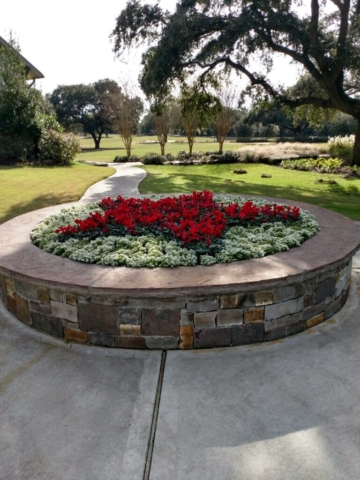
(343, 197)
(26, 188)
(113, 146)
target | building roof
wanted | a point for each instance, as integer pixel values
(32, 73)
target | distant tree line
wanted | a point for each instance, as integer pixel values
(257, 122)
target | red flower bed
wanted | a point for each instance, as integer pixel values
(190, 219)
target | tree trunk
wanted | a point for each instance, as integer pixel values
(96, 140)
(356, 150)
(162, 147)
(221, 145)
(190, 135)
(127, 140)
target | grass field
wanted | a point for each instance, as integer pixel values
(26, 188)
(342, 197)
(113, 146)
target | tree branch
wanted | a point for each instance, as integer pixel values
(304, 60)
(255, 80)
(314, 22)
(337, 3)
(344, 24)
(354, 87)
(317, 49)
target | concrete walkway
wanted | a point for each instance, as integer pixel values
(286, 410)
(124, 182)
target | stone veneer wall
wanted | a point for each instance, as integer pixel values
(183, 322)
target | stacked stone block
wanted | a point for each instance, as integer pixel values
(214, 320)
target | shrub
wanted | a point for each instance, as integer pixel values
(125, 158)
(133, 158)
(182, 155)
(342, 146)
(15, 149)
(225, 157)
(204, 157)
(121, 159)
(58, 148)
(153, 159)
(320, 165)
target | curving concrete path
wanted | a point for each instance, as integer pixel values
(124, 182)
(287, 410)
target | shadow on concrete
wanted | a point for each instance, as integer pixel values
(41, 201)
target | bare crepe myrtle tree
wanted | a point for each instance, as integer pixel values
(229, 99)
(128, 108)
(161, 122)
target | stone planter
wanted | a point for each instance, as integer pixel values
(187, 307)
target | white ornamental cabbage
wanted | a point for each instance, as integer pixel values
(238, 243)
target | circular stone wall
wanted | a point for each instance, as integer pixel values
(182, 308)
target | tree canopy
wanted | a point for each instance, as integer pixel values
(24, 113)
(91, 106)
(198, 111)
(207, 36)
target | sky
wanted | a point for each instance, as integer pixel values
(69, 43)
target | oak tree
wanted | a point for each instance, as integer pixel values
(89, 106)
(321, 37)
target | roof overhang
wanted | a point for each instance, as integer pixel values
(32, 73)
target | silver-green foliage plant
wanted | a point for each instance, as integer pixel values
(238, 243)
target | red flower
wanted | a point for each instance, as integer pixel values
(189, 218)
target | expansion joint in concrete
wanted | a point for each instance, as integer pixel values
(154, 420)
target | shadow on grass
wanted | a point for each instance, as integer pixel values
(342, 201)
(93, 150)
(345, 190)
(4, 167)
(41, 201)
(19, 166)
